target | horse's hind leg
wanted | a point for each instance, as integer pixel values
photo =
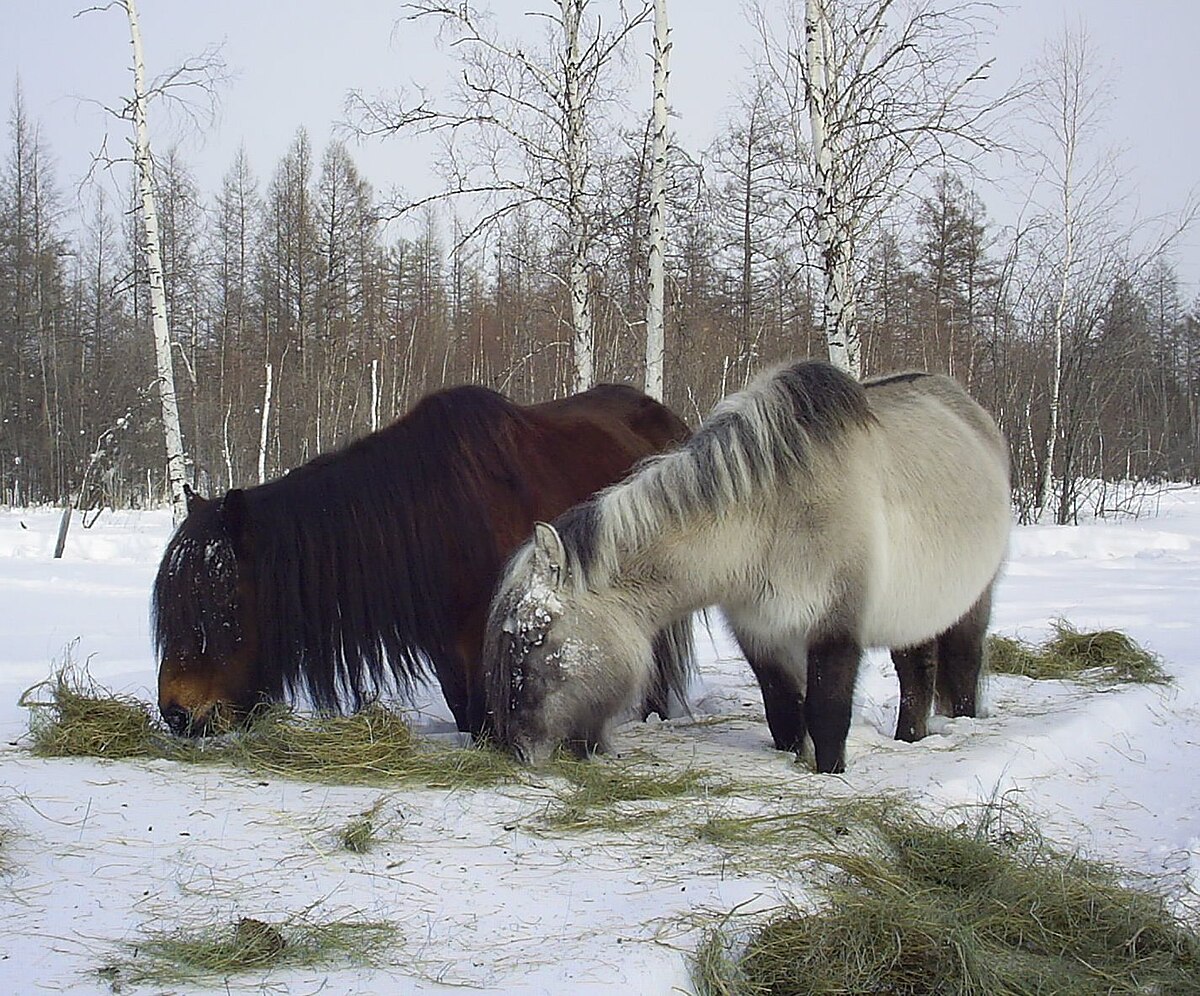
(832, 672)
(916, 668)
(960, 659)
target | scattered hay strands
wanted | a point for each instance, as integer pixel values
(1106, 657)
(361, 833)
(981, 907)
(603, 794)
(223, 950)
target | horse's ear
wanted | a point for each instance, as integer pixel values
(233, 512)
(194, 501)
(550, 556)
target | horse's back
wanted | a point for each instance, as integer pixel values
(591, 440)
(939, 514)
(619, 409)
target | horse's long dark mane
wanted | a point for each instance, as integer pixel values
(353, 556)
(757, 439)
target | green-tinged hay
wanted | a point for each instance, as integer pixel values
(219, 951)
(360, 834)
(1108, 652)
(72, 716)
(1104, 657)
(1008, 655)
(984, 907)
(372, 747)
(769, 841)
(369, 747)
(596, 791)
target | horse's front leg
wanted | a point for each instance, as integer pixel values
(832, 671)
(780, 674)
(783, 701)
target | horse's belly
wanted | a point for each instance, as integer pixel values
(915, 597)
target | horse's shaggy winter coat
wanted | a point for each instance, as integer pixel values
(822, 515)
(372, 567)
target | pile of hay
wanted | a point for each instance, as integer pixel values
(222, 950)
(362, 832)
(979, 908)
(72, 716)
(1104, 657)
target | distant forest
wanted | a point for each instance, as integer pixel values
(293, 268)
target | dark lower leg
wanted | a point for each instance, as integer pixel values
(468, 710)
(960, 659)
(783, 699)
(832, 671)
(916, 668)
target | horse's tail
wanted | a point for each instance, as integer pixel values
(674, 661)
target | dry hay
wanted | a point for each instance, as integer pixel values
(220, 950)
(362, 832)
(981, 908)
(72, 716)
(614, 794)
(1103, 657)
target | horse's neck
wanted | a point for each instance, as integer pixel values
(673, 575)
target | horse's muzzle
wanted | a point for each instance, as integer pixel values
(181, 722)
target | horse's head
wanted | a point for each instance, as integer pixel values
(203, 630)
(562, 660)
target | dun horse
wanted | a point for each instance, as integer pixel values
(822, 515)
(365, 568)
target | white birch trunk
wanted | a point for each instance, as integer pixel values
(1069, 123)
(173, 436)
(583, 337)
(1060, 307)
(374, 395)
(836, 316)
(262, 433)
(656, 290)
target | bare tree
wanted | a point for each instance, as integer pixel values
(887, 91)
(202, 73)
(520, 128)
(655, 291)
(1092, 250)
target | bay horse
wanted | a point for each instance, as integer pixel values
(367, 568)
(822, 515)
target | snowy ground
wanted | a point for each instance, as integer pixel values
(104, 851)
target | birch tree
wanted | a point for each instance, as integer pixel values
(655, 290)
(887, 91)
(1070, 112)
(521, 128)
(144, 164)
(201, 73)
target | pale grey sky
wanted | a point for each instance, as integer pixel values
(294, 62)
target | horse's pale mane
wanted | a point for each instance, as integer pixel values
(359, 551)
(753, 442)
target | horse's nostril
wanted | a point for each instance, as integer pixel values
(178, 719)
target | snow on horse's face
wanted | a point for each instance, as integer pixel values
(208, 671)
(569, 659)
